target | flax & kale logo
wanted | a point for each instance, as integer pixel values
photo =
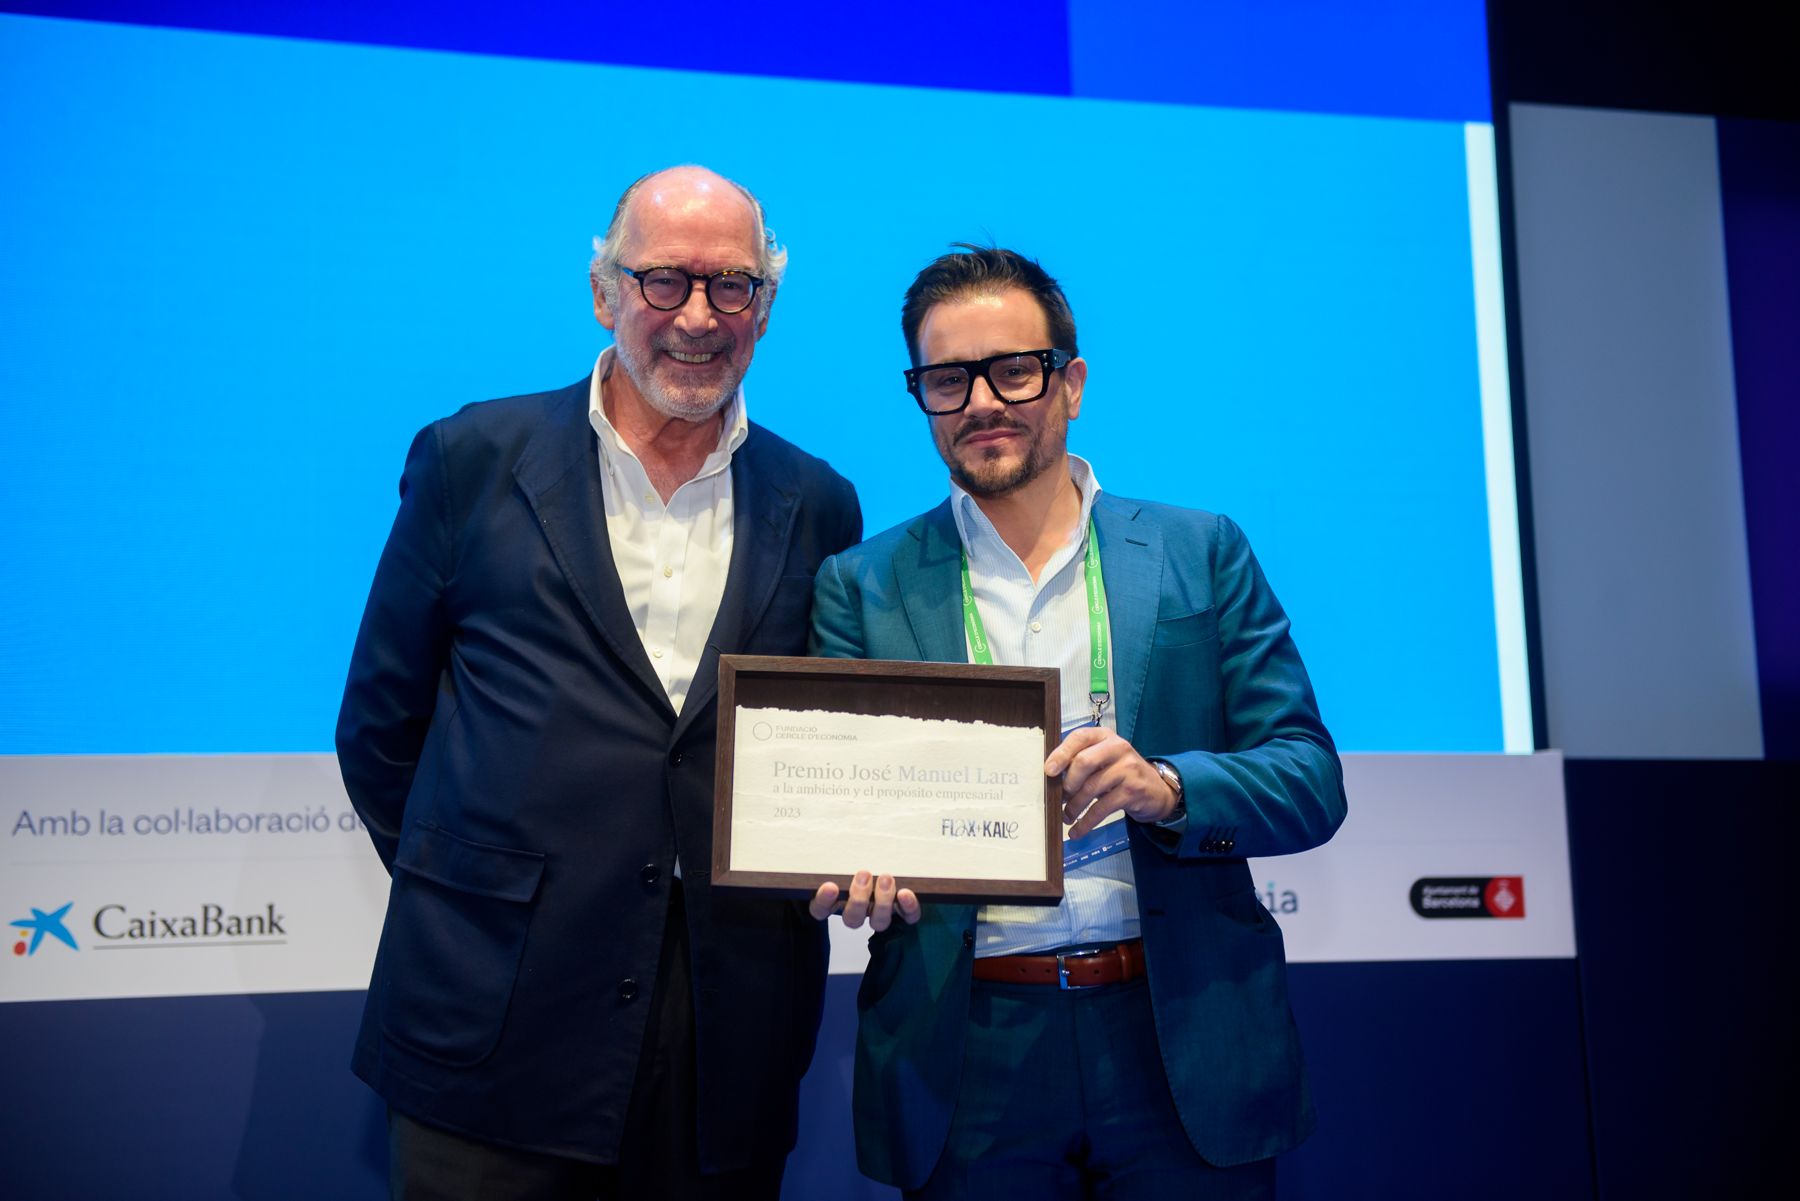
(1469, 896)
(39, 925)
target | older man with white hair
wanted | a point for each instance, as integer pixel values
(561, 1006)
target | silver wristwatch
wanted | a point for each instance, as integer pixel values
(1172, 778)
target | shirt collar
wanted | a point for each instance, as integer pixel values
(731, 435)
(977, 532)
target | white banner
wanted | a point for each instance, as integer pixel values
(154, 875)
(1442, 857)
(183, 875)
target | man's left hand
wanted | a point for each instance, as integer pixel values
(1101, 775)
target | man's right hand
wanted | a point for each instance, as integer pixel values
(875, 898)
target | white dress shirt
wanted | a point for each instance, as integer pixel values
(672, 558)
(1043, 623)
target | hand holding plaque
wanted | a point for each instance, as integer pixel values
(876, 898)
(1102, 774)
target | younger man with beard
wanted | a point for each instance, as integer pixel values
(1135, 1040)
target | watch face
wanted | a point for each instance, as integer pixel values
(1172, 778)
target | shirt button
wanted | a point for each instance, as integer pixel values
(656, 654)
(1037, 627)
(667, 572)
(649, 498)
(628, 989)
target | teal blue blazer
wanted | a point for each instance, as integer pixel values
(1207, 677)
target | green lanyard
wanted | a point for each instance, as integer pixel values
(1099, 628)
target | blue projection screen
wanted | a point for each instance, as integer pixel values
(241, 270)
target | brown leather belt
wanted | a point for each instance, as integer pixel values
(1067, 969)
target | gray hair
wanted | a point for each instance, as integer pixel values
(771, 257)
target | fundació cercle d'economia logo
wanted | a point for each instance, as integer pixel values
(33, 930)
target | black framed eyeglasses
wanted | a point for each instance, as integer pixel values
(1017, 377)
(668, 288)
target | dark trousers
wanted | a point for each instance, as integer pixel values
(658, 1157)
(1063, 1096)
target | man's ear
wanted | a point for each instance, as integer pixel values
(1075, 379)
(602, 311)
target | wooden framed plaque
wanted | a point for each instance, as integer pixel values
(930, 772)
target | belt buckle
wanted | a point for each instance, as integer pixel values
(1062, 968)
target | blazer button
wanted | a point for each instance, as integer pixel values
(675, 758)
(650, 875)
(968, 938)
(627, 989)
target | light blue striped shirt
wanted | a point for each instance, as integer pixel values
(1044, 624)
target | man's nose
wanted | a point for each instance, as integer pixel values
(982, 397)
(696, 316)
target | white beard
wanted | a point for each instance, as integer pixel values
(684, 404)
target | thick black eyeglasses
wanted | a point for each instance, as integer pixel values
(668, 288)
(1017, 377)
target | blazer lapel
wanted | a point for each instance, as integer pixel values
(559, 474)
(929, 576)
(1131, 557)
(763, 509)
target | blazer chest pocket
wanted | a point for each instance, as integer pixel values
(1191, 630)
(454, 937)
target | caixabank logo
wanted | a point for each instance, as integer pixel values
(1469, 896)
(42, 924)
(210, 925)
(114, 926)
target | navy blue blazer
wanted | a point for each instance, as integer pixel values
(1206, 677)
(527, 783)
